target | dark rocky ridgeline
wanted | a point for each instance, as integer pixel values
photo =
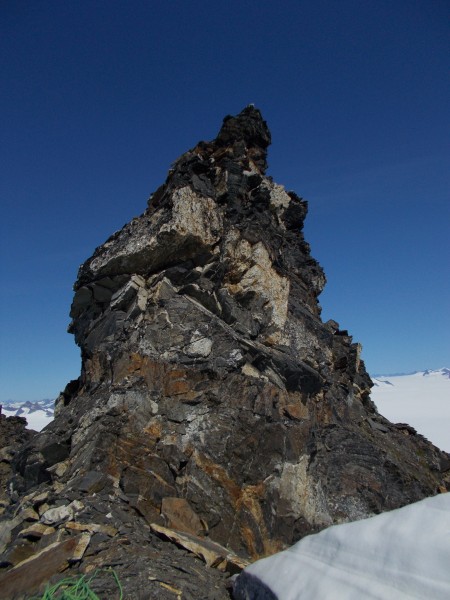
(212, 399)
(13, 435)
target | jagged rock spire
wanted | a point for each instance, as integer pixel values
(248, 126)
(208, 375)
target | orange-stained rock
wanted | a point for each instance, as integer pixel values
(178, 514)
(31, 575)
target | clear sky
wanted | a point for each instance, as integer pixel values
(99, 97)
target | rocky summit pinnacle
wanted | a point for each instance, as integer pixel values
(248, 127)
(212, 399)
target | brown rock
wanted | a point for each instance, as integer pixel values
(18, 552)
(297, 411)
(180, 516)
(29, 514)
(31, 574)
(36, 531)
(213, 554)
(80, 549)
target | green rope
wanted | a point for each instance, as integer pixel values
(77, 589)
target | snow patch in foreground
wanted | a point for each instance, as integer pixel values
(398, 555)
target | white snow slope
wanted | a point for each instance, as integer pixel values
(398, 555)
(38, 414)
(421, 400)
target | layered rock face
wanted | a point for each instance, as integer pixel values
(208, 375)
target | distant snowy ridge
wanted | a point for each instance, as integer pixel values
(383, 378)
(421, 399)
(38, 413)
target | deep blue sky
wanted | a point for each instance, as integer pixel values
(98, 98)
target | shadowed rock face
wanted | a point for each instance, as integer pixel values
(208, 375)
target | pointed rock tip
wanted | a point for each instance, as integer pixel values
(247, 126)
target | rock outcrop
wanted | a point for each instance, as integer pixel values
(212, 398)
(13, 434)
